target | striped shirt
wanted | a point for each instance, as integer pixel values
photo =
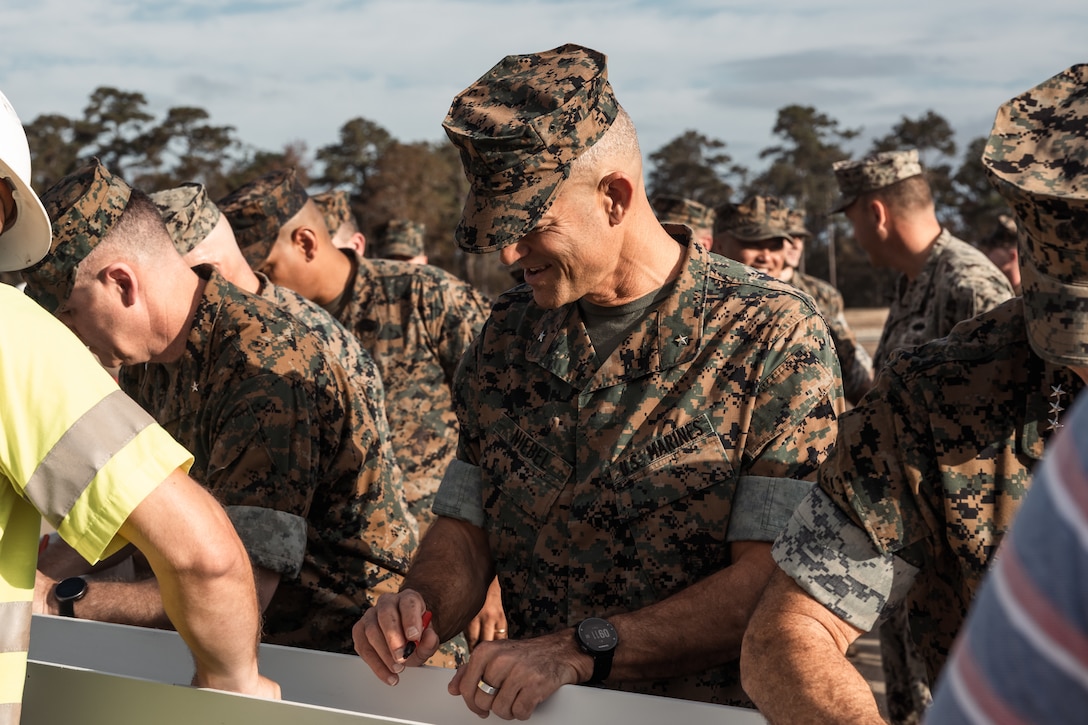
(1023, 654)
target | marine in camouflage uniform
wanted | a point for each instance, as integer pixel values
(416, 321)
(957, 283)
(954, 283)
(192, 218)
(578, 493)
(605, 469)
(930, 469)
(854, 360)
(277, 431)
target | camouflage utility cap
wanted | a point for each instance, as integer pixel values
(188, 213)
(795, 224)
(678, 210)
(518, 128)
(754, 219)
(83, 207)
(402, 238)
(257, 211)
(1037, 157)
(871, 173)
(335, 206)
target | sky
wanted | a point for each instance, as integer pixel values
(281, 72)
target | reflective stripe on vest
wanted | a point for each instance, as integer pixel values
(15, 626)
(10, 712)
(68, 469)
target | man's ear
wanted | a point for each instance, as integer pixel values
(304, 239)
(617, 191)
(121, 280)
(878, 212)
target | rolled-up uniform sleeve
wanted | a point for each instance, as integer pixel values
(835, 561)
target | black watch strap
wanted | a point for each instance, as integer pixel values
(602, 667)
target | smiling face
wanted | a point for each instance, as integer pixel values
(569, 254)
(766, 255)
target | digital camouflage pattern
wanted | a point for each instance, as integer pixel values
(83, 207)
(754, 219)
(416, 322)
(189, 214)
(1036, 157)
(364, 376)
(871, 173)
(795, 225)
(273, 422)
(678, 210)
(259, 209)
(401, 239)
(854, 361)
(932, 466)
(335, 207)
(547, 108)
(957, 283)
(609, 486)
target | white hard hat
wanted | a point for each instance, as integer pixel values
(26, 241)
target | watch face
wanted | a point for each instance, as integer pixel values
(70, 587)
(597, 635)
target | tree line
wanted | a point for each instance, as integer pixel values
(423, 181)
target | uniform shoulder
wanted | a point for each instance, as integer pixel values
(997, 334)
(730, 281)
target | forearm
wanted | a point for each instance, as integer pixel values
(700, 627)
(205, 581)
(452, 570)
(217, 614)
(794, 664)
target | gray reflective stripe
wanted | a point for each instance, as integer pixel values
(83, 450)
(10, 712)
(15, 626)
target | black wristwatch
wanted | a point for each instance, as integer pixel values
(68, 592)
(598, 639)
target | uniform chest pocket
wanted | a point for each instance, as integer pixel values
(529, 474)
(673, 500)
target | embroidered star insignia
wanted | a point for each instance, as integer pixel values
(1054, 424)
(195, 388)
(681, 340)
(1056, 407)
(1056, 390)
(540, 337)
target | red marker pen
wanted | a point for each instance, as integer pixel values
(412, 644)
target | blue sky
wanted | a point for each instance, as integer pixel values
(281, 71)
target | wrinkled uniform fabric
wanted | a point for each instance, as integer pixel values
(1021, 655)
(609, 485)
(416, 321)
(274, 423)
(956, 283)
(854, 361)
(926, 476)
